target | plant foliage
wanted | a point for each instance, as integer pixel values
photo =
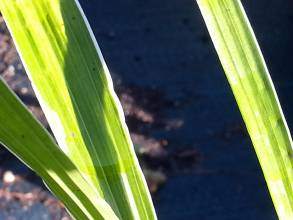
(255, 94)
(74, 88)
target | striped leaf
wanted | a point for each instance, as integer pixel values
(74, 88)
(253, 89)
(25, 137)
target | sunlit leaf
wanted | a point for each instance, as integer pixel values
(74, 88)
(25, 137)
(253, 89)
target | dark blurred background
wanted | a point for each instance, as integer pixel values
(187, 129)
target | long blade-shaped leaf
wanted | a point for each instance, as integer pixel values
(253, 89)
(25, 137)
(75, 90)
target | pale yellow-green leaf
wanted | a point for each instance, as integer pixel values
(29, 141)
(253, 89)
(73, 85)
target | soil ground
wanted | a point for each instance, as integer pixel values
(183, 119)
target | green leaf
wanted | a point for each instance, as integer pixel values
(25, 137)
(75, 90)
(253, 89)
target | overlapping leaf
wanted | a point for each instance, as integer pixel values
(74, 87)
(26, 138)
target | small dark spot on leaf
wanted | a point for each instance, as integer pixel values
(290, 154)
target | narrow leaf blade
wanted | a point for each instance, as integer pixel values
(253, 89)
(27, 139)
